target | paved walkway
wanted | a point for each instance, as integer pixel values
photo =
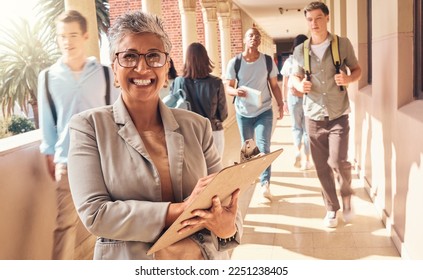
(290, 226)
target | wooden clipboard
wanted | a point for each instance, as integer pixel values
(223, 184)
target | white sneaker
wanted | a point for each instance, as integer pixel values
(265, 190)
(330, 220)
(297, 162)
(307, 166)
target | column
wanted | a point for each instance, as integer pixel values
(188, 24)
(210, 33)
(224, 18)
(339, 16)
(88, 10)
(152, 7)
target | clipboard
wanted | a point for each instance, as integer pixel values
(229, 179)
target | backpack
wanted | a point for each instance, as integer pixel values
(237, 66)
(335, 57)
(177, 100)
(50, 100)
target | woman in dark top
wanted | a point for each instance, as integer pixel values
(204, 91)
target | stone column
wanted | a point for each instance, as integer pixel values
(152, 7)
(88, 10)
(209, 8)
(188, 24)
(224, 18)
(339, 16)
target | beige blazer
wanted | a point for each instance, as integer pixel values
(116, 187)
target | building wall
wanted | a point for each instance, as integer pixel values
(387, 123)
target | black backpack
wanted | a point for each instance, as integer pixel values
(237, 66)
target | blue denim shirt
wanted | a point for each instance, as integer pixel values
(70, 96)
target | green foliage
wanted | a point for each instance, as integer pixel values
(3, 129)
(18, 124)
(25, 49)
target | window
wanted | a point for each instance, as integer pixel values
(418, 42)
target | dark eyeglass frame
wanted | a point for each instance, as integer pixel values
(145, 55)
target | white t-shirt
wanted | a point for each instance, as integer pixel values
(319, 50)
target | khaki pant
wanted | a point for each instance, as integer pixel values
(329, 150)
(64, 234)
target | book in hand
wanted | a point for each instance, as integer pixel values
(238, 176)
(253, 96)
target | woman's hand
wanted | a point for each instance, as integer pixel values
(218, 219)
(199, 187)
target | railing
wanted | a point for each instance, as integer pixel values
(27, 208)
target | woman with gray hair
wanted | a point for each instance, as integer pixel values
(131, 172)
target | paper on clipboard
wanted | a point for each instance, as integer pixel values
(253, 96)
(223, 184)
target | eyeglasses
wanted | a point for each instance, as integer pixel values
(130, 59)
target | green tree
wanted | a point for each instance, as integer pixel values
(25, 49)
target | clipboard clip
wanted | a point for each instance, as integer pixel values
(249, 150)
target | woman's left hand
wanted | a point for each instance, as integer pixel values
(218, 219)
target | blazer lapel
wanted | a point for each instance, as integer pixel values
(175, 148)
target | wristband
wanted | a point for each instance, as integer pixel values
(224, 241)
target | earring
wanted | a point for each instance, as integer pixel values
(166, 83)
(116, 84)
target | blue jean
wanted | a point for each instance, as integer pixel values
(299, 131)
(260, 129)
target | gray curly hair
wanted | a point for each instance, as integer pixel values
(136, 22)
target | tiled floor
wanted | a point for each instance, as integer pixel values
(290, 226)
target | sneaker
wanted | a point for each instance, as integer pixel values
(347, 211)
(297, 163)
(265, 190)
(307, 166)
(330, 220)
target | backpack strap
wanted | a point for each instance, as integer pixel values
(269, 65)
(106, 75)
(237, 66)
(307, 59)
(334, 47)
(50, 99)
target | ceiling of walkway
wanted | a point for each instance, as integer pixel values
(280, 19)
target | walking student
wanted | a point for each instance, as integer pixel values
(326, 107)
(73, 84)
(293, 103)
(253, 71)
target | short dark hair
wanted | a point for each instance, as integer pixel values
(298, 40)
(316, 5)
(73, 16)
(197, 62)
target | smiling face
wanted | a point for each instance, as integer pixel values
(142, 82)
